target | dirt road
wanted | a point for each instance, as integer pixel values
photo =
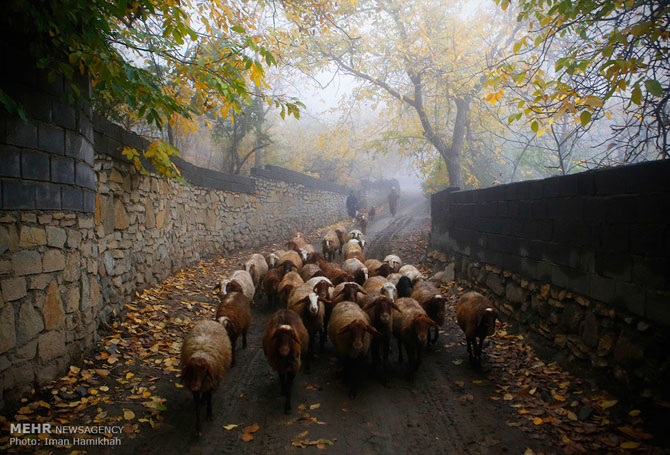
(426, 416)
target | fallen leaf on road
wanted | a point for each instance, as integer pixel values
(246, 437)
(608, 403)
(230, 426)
(252, 428)
(508, 397)
(629, 445)
(128, 414)
(315, 406)
(537, 420)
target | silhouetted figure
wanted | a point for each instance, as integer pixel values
(371, 213)
(393, 201)
(352, 204)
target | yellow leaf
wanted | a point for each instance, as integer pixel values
(74, 369)
(529, 451)
(572, 416)
(315, 406)
(129, 375)
(558, 397)
(104, 388)
(630, 445)
(230, 426)
(608, 403)
(44, 404)
(594, 101)
(508, 397)
(128, 414)
(537, 420)
(634, 413)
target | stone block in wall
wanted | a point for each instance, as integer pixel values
(35, 165)
(20, 133)
(64, 115)
(55, 236)
(10, 164)
(72, 198)
(18, 195)
(89, 201)
(51, 138)
(52, 310)
(51, 345)
(26, 262)
(121, 220)
(29, 323)
(62, 169)
(13, 288)
(84, 175)
(495, 283)
(53, 261)
(7, 329)
(48, 196)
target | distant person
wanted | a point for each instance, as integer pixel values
(393, 201)
(372, 213)
(352, 204)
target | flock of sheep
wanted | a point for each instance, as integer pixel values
(359, 305)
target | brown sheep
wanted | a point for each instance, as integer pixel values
(356, 268)
(341, 236)
(380, 286)
(394, 261)
(411, 272)
(284, 342)
(273, 258)
(433, 302)
(477, 316)
(410, 328)
(309, 271)
(334, 272)
(292, 257)
(272, 280)
(362, 221)
(380, 312)
(205, 358)
(350, 330)
(290, 281)
(311, 309)
(377, 268)
(234, 313)
(346, 291)
(352, 249)
(330, 244)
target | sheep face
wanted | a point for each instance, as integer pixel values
(321, 289)
(357, 331)
(273, 259)
(435, 308)
(287, 341)
(225, 322)
(303, 255)
(380, 310)
(389, 290)
(233, 286)
(197, 375)
(224, 286)
(313, 303)
(488, 321)
(421, 325)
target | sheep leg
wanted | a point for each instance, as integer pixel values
(244, 339)
(469, 341)
(289, 387)
(399, 349)
(282, 383)
(196, 400)
(479, 350)
(387, 349)
(322, 339)
(208, 396)
(433, 340)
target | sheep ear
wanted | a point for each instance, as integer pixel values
(326, 301)
(344, 329)
(396, 307)
(373, 331)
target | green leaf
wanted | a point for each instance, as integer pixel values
(654, 87)
(585, 118)
(238, 29)
(534, 126)
(636, 95)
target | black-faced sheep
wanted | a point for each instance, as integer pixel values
(404, 286)
(284, 342)
(234, 313)
(477, 316)
(205, 358)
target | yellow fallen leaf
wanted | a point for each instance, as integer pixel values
(533, 390)
(230, 426)
(129, 375)
(104, 388)
(608, 403)
(315, 406)
(44, 404)
(74, 369)
(529, 451)
(558, 397)
(508, 397)
(630, 445)
(128, 414)
(572, 416)
(634, 413)
(537, 420)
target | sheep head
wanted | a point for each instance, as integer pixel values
(197, 375)
(357, 330)
(389, 290)
(287, 341)
(486, 321)
(420, 325)
(436, 307)
(380, 309)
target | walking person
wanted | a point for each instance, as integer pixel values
(393, 201)
(352, 204)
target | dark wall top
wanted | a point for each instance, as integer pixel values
(601, 233)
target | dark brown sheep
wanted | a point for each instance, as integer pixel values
(410, 327)
(285, 341)
(429, 297)
(234, 313)
(477, 316)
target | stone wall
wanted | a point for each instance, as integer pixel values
(580, 260)
(65, 271)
